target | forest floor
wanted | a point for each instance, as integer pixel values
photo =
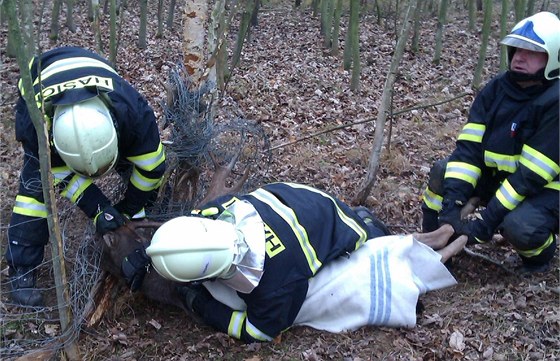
(293, 87)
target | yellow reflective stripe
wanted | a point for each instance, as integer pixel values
(255, 332)
(289, 216)
(537, 251)
(349, 221)
(28, 206)
(553, 185)
(60, 173)
(71, 64)
(463, 171)
(539, 163)
(236, 323)
(76, 187)
(472, 132)
(504, 162)
(149, 161)
(508, 196)
(144, 183)
(432, 200)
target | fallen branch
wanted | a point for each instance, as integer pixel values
(347, 125)
(488, 259)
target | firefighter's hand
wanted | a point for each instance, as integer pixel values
(108, 219)
(134, 268)
(478, 231)
(194, 297)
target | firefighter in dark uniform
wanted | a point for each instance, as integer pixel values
(266, 245)
(507, 153)
(96, 122)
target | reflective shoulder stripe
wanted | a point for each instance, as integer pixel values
(149, 161)
(536, 251)
(76, 187)
(432, 200)
(71, 64)
(288, 215)
(508, 197)
(255, 332)
(539, 163)
(349, 221)
(463, 171)
(472, 132)
(144, 183)
(236, 324)
(31, 207)
(503, 162)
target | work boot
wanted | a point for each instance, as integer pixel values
(22, 282)
(375, 226)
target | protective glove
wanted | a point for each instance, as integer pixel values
(451, 214)
(478, 231)
(134, 268)
(194, 297)
(108, 219)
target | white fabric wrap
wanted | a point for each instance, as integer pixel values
(379, 284)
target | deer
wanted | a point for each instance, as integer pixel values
(116, 245)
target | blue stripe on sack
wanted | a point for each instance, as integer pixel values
(380, 288)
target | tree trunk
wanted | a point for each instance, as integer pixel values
(416, 29)
(383, 109)
(472, 14)
(442, 14)
(159, 32)
(96, 26)
(355, 40)
(486, 26)
(55, 17)
(171, 14)
(195, 18)
(59, 269)
(70, 16)
(113, 32)
(27, 31)
(503, 33)
(143, 24)
(336, 28)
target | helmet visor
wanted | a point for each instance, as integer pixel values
(518, 42)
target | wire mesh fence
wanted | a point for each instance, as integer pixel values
(196, 140)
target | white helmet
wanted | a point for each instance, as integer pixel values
(540, 32)
(187, 249)
(85, 137)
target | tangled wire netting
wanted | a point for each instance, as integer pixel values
(197, 143)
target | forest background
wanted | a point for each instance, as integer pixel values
(289, 80)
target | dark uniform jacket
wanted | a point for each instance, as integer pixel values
(69, 75)
(510, 140)
(305, 229)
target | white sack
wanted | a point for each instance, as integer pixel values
(379, 284)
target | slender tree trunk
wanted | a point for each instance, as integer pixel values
(484, 43)
(70, 16)
(384, 109)
(62, 290)
(96, 26)
(27, 31)
(353, 28)
(336, 28)
(55, 17)
(113, 32)
(519, 7)
(442, 14)
(143, 24)
(171, 14)
(503, 33)
(159, 32)
(472, 14)
(195, 18)
(416, 29)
